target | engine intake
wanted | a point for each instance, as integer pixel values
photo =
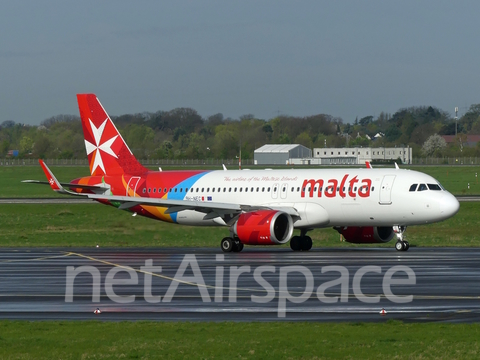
(366, 235)
(264, 227)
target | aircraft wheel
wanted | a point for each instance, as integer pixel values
(406, 245)
(306, 243)
(237, 246)
(295, 243)
(227, 244)
(399, 246)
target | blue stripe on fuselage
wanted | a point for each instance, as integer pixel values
(188, 183)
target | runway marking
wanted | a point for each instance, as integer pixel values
(34, 259)
(137, 270)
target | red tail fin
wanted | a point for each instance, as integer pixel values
(107, 152)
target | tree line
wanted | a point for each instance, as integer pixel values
(182, 133)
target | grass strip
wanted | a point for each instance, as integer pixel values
(227, 340)
(85, 225)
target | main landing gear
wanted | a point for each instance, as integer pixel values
(302, 242)
(401, 245)
(229, 244)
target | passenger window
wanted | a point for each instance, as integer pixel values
(413, 187)
(149, 189)
(422, 187)
(154, 189)
(208, 189)
(144, 190)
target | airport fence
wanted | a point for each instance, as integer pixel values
(146, 162)
(446, 161)
(219, 162)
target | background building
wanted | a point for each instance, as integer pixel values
(281, 154)
(358, 155)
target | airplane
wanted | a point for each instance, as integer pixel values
(260, 207)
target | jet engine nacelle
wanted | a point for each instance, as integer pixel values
(264, 227)
(367, 234)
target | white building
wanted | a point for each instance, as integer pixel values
(280, 154)
(359, 155)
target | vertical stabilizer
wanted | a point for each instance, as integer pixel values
(107, 152)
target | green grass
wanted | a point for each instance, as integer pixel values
(454, 178)
(86, 225)
(11, 177)
(91, 224)
(282, 340)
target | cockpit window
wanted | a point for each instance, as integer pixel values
(413, 187)
(422, 187)
(435, 187)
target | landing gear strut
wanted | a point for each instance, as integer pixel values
(401, 245)
(302, 242)
(229, 244)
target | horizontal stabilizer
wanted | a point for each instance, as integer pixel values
(68, 185)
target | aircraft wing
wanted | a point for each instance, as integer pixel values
(226, 211)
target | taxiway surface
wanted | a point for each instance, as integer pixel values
(258, 284)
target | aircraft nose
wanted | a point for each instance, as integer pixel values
(449, 206)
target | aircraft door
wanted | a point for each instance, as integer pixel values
(283, 191)
(275, 191)
(132, 185)
(386, 189)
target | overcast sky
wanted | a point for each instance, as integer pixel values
(343, 58)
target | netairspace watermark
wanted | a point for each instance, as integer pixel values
(189, 274)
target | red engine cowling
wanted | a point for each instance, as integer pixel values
(264, 227)
(366, 235)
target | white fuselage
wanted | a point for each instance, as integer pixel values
(326, 197)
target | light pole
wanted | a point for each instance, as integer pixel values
(456, 119)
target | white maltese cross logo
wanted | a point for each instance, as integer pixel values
(106, 146)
